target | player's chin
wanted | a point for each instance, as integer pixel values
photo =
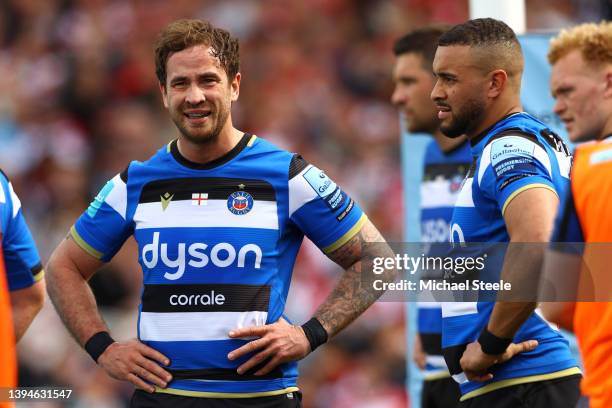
(198, 135)
(449, 129)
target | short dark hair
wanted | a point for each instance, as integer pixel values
(494, 43)
(182, 34)
(479, 32)
(422, 41)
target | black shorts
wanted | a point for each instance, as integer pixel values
(558, 393)
(142, 399)
(442, 393)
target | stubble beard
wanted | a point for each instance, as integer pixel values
(466, 119)
(203, 139)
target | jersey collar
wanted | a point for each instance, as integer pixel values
(211, 164)
(478, 138)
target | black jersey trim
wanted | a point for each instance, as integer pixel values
(516, 132)
(472, 170)
(224, 374)
(165, 298)
(217, 188)
(36, 269)
(431, 343)
(124, 174)
(446, 170)
(476, 139)
(551, 138)
(555, 141)
(211, 164)
(297, 165)
(5, 175)
(452, 356)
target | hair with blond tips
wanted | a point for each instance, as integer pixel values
(593, 40)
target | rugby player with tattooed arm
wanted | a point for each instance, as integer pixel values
(219, 216)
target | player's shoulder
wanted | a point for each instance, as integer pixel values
(6, 190)
(272, 156)
(528, 131)
(516, 144)
(136, 170)
(266, 150)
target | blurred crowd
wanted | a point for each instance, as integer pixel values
(79, 100)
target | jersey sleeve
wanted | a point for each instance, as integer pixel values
(103, 228)
(512, 164)
(22, 261)
(567, 225)
(319, 207)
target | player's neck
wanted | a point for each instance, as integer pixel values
(204, 153)
(494, 115)
(447, 144)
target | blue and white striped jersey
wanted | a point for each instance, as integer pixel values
(442, 177)
(516, 154)
(23, 266)
(217, 244)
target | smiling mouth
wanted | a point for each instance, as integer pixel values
(197, 115)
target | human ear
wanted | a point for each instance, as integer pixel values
(498, 80)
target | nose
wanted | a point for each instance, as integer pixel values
(560, 106)
(398, 97)
(436, 93)
(195, 95)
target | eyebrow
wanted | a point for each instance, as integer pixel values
(561, 89)
(406, 78)
(444, 75)
(205, 75)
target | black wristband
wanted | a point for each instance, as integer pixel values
(97, 343)
(315, 333)
(491, 344)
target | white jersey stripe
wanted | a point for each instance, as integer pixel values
(465, 195)
(300, 192)
(182, 214)
(2, 195)
(117, 197)
(196, 326)
(460, 378)
(15, 199)
(436, 194)
(436, 361)
(452, 309)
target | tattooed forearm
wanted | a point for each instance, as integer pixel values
(352, 295)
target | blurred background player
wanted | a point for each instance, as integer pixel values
(509, 195)
(581, 59)
(21, 284)
(24, 270)
(446, 163)
(580, 80)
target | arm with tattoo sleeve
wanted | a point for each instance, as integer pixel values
(350, 298)
(281, 342)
